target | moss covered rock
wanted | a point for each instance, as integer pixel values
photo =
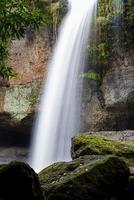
(19, 182)
(82, 180)
(88, 144)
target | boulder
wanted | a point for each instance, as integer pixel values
(19, 181)
(89, 144)
(82, 179)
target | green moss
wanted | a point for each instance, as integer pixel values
(87, 144)
(79, 179)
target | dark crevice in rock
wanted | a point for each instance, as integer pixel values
(15, 134)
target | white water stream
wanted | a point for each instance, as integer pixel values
(58, 120)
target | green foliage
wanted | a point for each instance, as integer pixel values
(7, 71)
(46, 12)
(15, 17)
(130, 17)
(102, 50)
(128, 23)
(109, 8)
(92, 75)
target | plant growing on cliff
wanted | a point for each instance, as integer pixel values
(15, 17)
(92, 75)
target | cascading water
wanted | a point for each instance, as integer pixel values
(59, 115)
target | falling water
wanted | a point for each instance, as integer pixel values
(59, 115)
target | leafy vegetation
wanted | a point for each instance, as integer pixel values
(113, 36)
(15, 17)
(128, 23)
(92, 75)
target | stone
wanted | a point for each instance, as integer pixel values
(83, 180)
(89, 144)
(4, 82)
(29, 56)
(126, 135)
(108, 103)
(15, 133)
(19, 181)
(15, 137)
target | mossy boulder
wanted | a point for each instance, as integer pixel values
(83, 180)
(19, 182)
(88, 144)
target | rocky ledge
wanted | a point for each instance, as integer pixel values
(98, 145)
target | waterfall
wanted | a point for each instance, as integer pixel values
(59, 117)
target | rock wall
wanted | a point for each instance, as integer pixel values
(108, 97)
(29, 57)
(109, 105)
(108, 102)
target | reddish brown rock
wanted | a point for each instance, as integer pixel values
(29, 57)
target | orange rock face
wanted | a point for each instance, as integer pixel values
(29, 57)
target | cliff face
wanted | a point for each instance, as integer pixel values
(108, 97)
(109, 104)
(108, 101)
(29, 57)
(19, 97)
